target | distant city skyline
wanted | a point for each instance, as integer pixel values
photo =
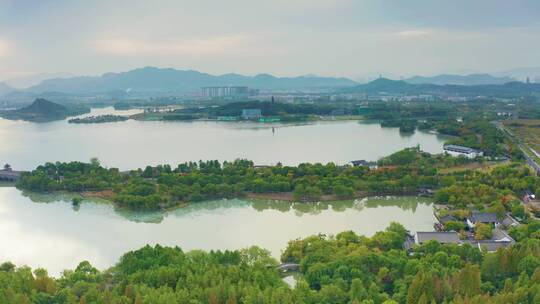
(340, 38)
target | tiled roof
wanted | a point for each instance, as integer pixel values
(490, 246)
(447, 218)
(441, 237)
(483, 217)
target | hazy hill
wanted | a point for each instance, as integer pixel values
(24, 82)
(43, 107)
(521, 74)
(152, 79)
(383, 85)
(472, 79)
(42, 110)
(5, 89)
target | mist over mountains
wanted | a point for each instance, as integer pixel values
(24, 82)
(151, 79)
(522, 73)
(384, 85)
(5, 88)
(450, 79)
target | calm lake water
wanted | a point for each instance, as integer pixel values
(134, 144)
(46, 231)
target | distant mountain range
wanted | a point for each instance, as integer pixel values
(521, 74)
(27, 81)
(472, 79)
(383, 85)
(152, 79)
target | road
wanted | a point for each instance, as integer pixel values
(526, 150)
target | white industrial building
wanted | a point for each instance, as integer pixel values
(455, 150)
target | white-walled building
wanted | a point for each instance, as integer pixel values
(455, 150)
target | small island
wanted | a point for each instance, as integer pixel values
(254, 111)
(407, 172)
(42, 110)
(98, 119)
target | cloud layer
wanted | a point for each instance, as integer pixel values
(284, 37)
(213, 45)
(4, 48)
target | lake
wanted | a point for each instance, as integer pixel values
(47, 231)
(134, 144)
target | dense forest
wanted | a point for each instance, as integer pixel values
(161, 186)
(346, 268)
(404, 172)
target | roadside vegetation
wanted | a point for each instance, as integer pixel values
(528, 131)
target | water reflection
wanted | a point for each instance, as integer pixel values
(298, 208)
(49, 197)
(53, 235)
(403, 202)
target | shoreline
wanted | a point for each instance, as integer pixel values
(314, 118)
(289, 196)
(108, 196)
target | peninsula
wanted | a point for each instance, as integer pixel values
(42, 110)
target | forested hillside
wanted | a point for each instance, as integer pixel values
(347, 268)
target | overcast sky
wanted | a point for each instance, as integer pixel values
(352, 38)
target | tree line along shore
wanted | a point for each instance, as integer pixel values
(346, 268)
(409, 171)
